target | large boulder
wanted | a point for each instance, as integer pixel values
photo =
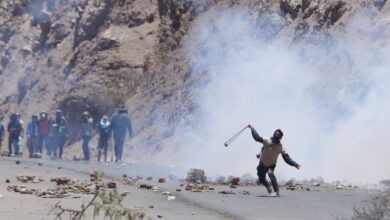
(196, 175)
(94, 17)
(291, 7)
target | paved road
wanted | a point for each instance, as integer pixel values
(319, 203)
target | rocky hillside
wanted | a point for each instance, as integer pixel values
(91, 54)
(87, 55)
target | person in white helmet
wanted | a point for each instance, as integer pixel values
(104, 137)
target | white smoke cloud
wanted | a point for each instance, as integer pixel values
(329, 98)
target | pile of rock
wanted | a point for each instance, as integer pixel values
(235, 181)
(94, 176)
(196, 187)
(20, 189)
(196, 176)
(145, 186)
(294, 185)
(60, 180)
(26, 179)
(128, 181)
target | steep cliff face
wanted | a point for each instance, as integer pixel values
(90, 55)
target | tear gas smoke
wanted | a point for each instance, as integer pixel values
(328, 95)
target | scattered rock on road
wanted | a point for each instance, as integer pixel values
(145, 186)
(25, 179)
(94, 176)
(60, 180)
(316, 184)
(227, 192)
(195, 187)
(110, 185)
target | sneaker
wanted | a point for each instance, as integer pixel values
(273, 194)
(269, 190)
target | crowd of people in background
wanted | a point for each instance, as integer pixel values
(51, 134)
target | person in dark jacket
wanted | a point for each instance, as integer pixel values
(14, 129)
(32, 135)
(120, 125)
(268, 156)
(104, 136)
(86, 126)
(58, 134)
(43, 133)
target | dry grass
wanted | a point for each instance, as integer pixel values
(376, 208)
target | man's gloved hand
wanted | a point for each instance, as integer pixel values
(250, 126)
(298, 166)
(258, 156)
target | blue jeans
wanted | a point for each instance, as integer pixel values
(61, 144)
(119, 141)
(13, 142)
(262, 170)
(42, 139)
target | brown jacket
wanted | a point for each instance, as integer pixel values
(270, 152)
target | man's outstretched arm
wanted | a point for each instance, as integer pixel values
(290, 161)
(255, 135)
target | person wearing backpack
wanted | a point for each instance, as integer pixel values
(14, 129)
(121, 125)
